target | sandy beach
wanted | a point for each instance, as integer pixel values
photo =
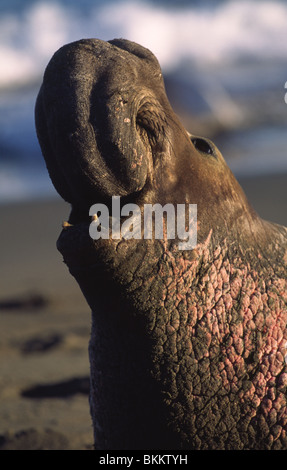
(45, 324)
(44, 335)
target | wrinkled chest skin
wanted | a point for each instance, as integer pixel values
(188, 348)
(189, 351)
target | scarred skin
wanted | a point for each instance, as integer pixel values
(188, 348)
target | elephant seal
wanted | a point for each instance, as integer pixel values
(188, 348)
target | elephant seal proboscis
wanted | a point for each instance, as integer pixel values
(188, 347)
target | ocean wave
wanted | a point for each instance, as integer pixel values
(227, 61)
(226, 32)
(24, 182)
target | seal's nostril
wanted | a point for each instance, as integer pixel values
(151, 122)
(202, 145)
(146, 124)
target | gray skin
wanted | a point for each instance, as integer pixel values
(188, 348)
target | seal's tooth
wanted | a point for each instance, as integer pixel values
(66, 224)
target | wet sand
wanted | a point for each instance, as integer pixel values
(44, 335)
(45, 324)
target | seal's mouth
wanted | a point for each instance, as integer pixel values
(80, 216)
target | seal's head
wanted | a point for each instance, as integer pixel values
(106, 128)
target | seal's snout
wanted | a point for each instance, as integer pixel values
(94, 134)
(119, 146)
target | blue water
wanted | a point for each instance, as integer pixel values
(224, 63)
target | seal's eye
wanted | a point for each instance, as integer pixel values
(202, 145)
